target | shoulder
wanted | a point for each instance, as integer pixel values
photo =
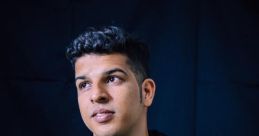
(155, 133)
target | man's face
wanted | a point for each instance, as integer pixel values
(108, 95)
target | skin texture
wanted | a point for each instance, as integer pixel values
(106, 82)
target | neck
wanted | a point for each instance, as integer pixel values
(140, 128)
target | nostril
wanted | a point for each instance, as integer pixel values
(102, 99)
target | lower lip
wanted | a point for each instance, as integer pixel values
(103, 117)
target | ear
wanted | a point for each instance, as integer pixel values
(148, 91)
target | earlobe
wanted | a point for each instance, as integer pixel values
(148, 91)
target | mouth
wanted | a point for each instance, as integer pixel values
(102, 115)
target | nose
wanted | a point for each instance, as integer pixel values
(99, 95)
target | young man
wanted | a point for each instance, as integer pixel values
(113, 86)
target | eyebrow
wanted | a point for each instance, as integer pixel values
(114, 70)
(109, 72)
(80, 77)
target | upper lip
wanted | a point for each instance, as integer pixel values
(100, 111)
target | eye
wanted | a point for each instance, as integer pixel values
(84, 85)
(114, 80)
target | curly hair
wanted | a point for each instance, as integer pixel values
(109, 40)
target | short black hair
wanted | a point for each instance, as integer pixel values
(109, 40)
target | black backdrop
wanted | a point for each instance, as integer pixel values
(204, 60)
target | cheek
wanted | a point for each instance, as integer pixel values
(127, 93)
(83, 107)
(128, 100)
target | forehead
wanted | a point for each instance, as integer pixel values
(90, 63)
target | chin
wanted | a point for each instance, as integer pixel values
(105, 133)
(104, 130)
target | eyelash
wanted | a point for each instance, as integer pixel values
(112, 79)
(116, 80)
(83, 85)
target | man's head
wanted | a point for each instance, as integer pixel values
(111, 75)
(110, 40)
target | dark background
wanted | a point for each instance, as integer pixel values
(204, 60)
